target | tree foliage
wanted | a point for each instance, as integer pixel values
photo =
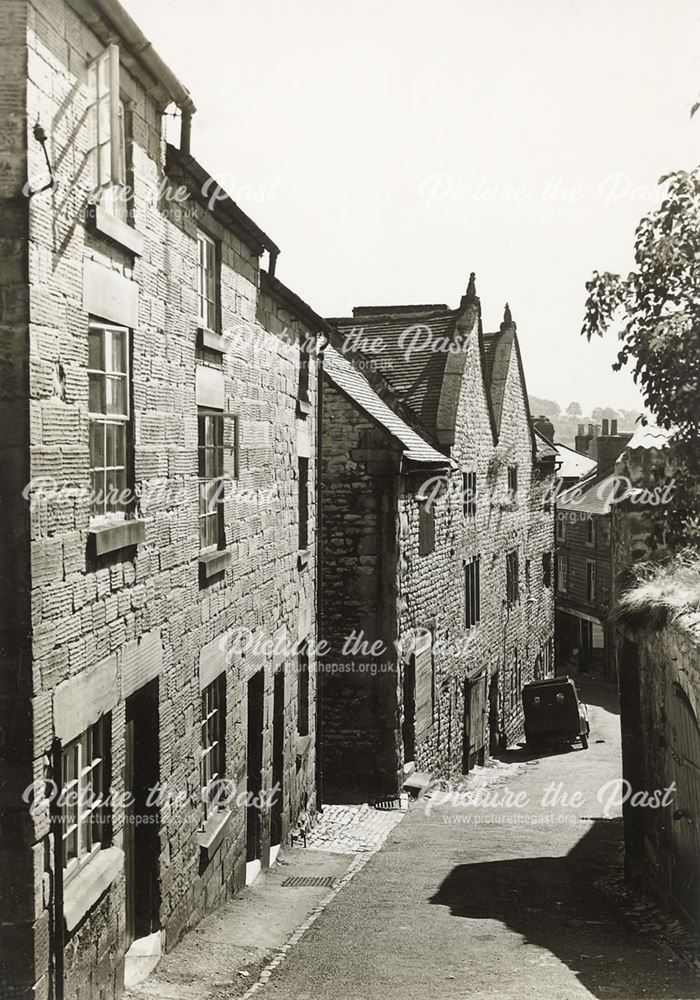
(656, 309)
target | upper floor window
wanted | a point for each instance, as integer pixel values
(590, 531)
(303, 387)
(469, 493)
(426, 528)
(213, 750)
(590, 580)
(108, 404)
(106, 153)
(210, 449)
(472, 592)
(546, 569)
(562, 574)
(561, 528)
(207, 281)
(84, 810)
(303, 482)
(512, 578)
(512, 480)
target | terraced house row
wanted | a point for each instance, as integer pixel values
(437, 538)
(159, 456)
(161, 731)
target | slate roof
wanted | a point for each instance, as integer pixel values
(353, 383)
(415, 376)
(593, 495)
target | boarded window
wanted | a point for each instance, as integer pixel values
(472, 592)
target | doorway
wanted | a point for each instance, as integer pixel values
(141, 830)
(277, 762)
(474, 736)
(256, 697)
(408, 726)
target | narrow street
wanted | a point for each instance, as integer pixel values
(498, 902)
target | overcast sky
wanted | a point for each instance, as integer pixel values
(391, 147)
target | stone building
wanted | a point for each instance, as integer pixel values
(157, 397)
(583, 576)
(437, 538)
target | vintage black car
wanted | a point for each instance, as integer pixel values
(554, 714)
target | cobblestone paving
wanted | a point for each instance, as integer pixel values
(352, 829)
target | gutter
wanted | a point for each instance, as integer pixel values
(113, 12)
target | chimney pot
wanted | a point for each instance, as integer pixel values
(581, 429)
(605, 427)
(613, 427)
(591, 430)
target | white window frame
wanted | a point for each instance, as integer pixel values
(212, 761)
(562, 577)
(560, 528)
(82, 825)
(210, 487)
(207, 281)
(107, 134)
(105, 419)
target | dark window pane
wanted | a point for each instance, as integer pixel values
(97, 452)
(118, 351)
(95, 349)
(96, 399)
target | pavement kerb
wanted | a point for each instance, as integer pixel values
(281, 953)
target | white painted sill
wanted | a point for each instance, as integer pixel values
(90, 883)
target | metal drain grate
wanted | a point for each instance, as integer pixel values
(320, 880)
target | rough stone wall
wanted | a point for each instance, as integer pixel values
(359, 537)
(660, 709)
(133, 606)
(20, 870)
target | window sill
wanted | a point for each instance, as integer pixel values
(303, 407)
(215, 828)
(303, 556)
(213, 563)
(111, 536)
(211, 340)
(91, 883)
(102, 222)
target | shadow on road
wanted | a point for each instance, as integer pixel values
(552, 903)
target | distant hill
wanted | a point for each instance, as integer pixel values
(567, 419)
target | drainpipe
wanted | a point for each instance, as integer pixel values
(58, 925)
(322, 344)
(185, 132)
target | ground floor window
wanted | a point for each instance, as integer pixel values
(84, 812)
